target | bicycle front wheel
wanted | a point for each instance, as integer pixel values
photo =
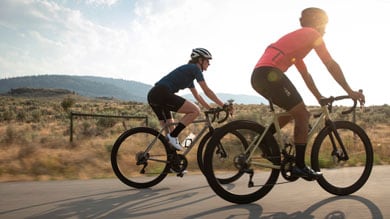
(343, 172)
(139, 157)
(226, 155)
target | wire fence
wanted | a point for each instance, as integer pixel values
(76, 114)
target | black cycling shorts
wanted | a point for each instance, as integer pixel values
(274, 85)
(163, 102)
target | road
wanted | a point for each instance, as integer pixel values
(188, 197)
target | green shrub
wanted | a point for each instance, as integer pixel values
(8, 115)
(10, 135)
(36, 115)
(67, 103)
(106, 122)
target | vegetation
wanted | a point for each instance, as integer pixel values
(35, 134)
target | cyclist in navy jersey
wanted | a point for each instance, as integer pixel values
(163, 100)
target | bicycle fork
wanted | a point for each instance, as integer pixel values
(334, 136)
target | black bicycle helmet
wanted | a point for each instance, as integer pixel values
(200, 52)
(313, 17)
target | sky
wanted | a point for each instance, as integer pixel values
(142, 40)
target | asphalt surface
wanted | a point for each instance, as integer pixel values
(188, 197)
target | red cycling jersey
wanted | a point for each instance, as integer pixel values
(292, 48)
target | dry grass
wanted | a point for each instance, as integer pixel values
(380, 140)
(39, 149)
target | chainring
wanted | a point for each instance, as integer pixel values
(286, 169)
(179, 163)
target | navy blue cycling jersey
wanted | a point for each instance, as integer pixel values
(181, 78)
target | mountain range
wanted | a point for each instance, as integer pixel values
(92, 86)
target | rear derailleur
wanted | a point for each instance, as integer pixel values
(240, 162)
(142, 159)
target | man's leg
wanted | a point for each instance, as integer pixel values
(301, 128)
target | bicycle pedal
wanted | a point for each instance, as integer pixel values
(177, 171)
(181, 174)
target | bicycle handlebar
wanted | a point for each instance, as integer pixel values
(351, 109)
(330, 100)
(215, 112)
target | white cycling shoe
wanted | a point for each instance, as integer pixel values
(174, 141)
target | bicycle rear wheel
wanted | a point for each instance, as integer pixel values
(135, 166)
(342, 177)
(237, 137)
(259, 173)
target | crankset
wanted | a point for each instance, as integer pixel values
(286, 170)
(179, 164)
(287, 164)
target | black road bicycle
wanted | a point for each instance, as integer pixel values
(341, 150)
(141, 157)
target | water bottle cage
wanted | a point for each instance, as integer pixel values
(187, 142)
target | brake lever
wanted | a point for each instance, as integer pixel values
(225, 118)
(362, 103)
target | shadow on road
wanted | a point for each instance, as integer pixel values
(152, 203)
(256, 211)
(118, 204)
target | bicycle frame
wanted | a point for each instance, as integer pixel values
(207, 126)
(318, 125)
(262, 156)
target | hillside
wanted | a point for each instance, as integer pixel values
(91, 86)
(38, 92)
(238, 98)
(83, 85)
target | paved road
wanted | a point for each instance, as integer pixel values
(188, 197)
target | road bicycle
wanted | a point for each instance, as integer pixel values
(141, 157)
(341, 150)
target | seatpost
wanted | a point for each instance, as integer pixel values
(166, 125)
(271, 105)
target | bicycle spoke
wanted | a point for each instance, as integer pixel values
(343, 174)
(133, 165)
(256, 179)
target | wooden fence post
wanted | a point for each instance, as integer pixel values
(71, 126)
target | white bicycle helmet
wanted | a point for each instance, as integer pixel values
(201, 52)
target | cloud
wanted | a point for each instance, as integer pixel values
(144, 39)
(54, 39)
(159, 37)
(102, 2)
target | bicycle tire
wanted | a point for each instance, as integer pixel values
(240, 191)
(343, 177)
(201, 150)
(129, 149)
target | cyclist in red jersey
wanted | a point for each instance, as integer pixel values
(269, 80)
